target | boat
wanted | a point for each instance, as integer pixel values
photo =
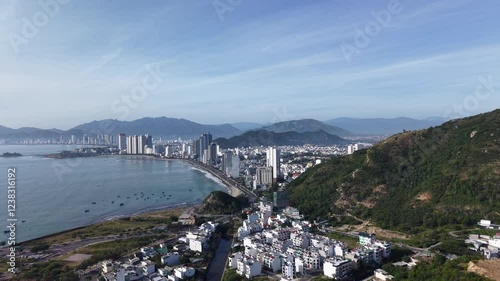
(6, 231)
(93, 203)
(121, 204)
(86, 211)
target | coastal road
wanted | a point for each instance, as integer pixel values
(231, 183)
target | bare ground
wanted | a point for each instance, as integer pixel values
(486, 268)
(368, 227)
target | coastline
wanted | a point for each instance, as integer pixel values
(180, 206)
(233, 190)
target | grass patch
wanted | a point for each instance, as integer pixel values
(351, 242)
(129, 225)
(114, 249)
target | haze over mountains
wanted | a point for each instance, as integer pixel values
(174, 128)
(383, 126)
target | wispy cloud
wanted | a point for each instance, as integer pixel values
(263, 56)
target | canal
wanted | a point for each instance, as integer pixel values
(216, 268)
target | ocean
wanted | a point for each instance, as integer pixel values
(54, 195)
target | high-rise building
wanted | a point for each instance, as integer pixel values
(213, 150)
(122, 142)
(142, 144)
(149, 141)
(129, 144)
(352, 148)
(204, 141)
(73, 139)
(264, 176)
(134, 145)
(234, 170)
(273, 160)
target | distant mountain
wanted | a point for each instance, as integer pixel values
(158, 127)
(305, 125)
(5, 130)
(27, 132)
(445, 175)
(245, 126)
(383, 126)
(265, 138)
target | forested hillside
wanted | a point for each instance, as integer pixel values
(442, 175)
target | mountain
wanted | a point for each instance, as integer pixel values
(305, 125)
(158, 127)
(5, 130)
(383, 126)
(245, 126)
(266, 138)
(413, 180)
(27, 132)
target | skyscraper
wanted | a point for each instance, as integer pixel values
(149, 141)
(201, 145)
(273, 160)
(264, 175)
(129, 145)
(213, 150)
(122, 142)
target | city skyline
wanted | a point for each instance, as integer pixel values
(255, 61)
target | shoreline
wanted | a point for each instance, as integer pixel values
(101, 220)
(222, 180)
(233, 190)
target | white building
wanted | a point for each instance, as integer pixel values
(366, 239)
(382, 275)
(107, 266)
(352, 148)
(273, 160)
(248, 267)
(196, 245)
(184, 272)
(272, 261)
(170, 259)
(337, 268)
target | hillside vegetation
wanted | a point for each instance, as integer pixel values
(266, 138)
(219, 202)
(420, 179)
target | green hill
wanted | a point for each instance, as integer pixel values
(442, 175)
(219, 202)
(265, 138)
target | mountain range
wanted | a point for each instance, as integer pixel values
(173, 128)
(305, 125)
(268, 138)
(449, 174)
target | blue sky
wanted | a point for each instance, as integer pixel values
(226, 61)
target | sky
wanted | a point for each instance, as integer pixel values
(67, 62)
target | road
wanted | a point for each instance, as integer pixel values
(225, 179)
(60, 250)
(414, 249)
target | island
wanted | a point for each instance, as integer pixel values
(8, 154)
